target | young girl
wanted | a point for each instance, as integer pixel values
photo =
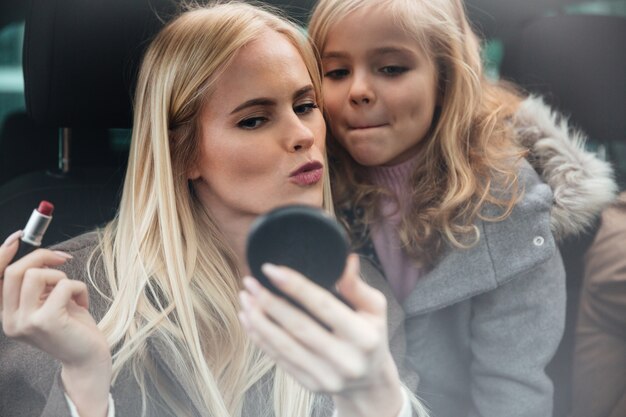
(218, 139)
(428, 170)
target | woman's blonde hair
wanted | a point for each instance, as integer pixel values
(468, 158)
(172, 276)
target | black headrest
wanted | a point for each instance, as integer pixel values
(579, 63)
(81, 56)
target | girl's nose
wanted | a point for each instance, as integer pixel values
(361, 92)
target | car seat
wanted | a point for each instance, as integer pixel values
(79, 59)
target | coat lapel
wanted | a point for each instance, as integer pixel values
(506, 249)
(459, 275)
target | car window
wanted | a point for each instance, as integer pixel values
(11, 77)
(494, 49)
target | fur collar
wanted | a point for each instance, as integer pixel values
(582, 184)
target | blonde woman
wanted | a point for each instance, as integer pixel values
(429, 173)
(227, 126)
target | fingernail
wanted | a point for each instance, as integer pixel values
(63, 255)
(243, 319)
(276, 274)
(245, 301)
(252, 285)
(12, 238)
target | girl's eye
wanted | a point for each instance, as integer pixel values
(252, 122)
(393, 70)
(336, 74)
(305, 108)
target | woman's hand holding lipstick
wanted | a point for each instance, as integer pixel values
(45, 309)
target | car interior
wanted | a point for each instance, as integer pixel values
(68, 67)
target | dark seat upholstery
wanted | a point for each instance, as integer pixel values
(578, 63)
(80, 60)
(25, 146)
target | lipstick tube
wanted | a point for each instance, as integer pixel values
(35, 229)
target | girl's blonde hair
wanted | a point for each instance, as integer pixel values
(468, 158)
(171, 274)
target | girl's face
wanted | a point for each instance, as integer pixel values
(263, 136)
(380, 88)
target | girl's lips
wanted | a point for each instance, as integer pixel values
(364, 127)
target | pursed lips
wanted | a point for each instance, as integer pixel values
(309, 166)
(308, 174)
(366, 126)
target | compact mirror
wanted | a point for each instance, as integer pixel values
(303, 238)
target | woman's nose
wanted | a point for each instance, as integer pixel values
(302, 136)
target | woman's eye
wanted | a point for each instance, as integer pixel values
(393, 70)
(336, 74)
(252, 122)
(305, 108)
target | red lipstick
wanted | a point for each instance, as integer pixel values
(308, 174)
(35, 228)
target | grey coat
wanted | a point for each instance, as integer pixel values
(483, 323)
(30, 380)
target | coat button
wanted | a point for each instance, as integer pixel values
(538, 240)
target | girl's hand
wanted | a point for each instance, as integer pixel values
(42, 307)
(349, 359)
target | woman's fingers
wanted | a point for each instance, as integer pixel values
(356, 292)
(304, 329)
(285, 350)
(311, 296)
(8, 250)
(14, 274)
(349, 357)
(285, 314)
(65, 291)
(361, 328)
(36, 285)
(329, 347)
(45, 309)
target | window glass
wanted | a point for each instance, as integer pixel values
(11, 77)
(493, 52)
(611, 8)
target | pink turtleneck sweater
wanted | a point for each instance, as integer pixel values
(400, 270)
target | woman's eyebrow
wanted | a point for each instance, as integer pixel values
(264, 101)
(303, 91)
(260, 101)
